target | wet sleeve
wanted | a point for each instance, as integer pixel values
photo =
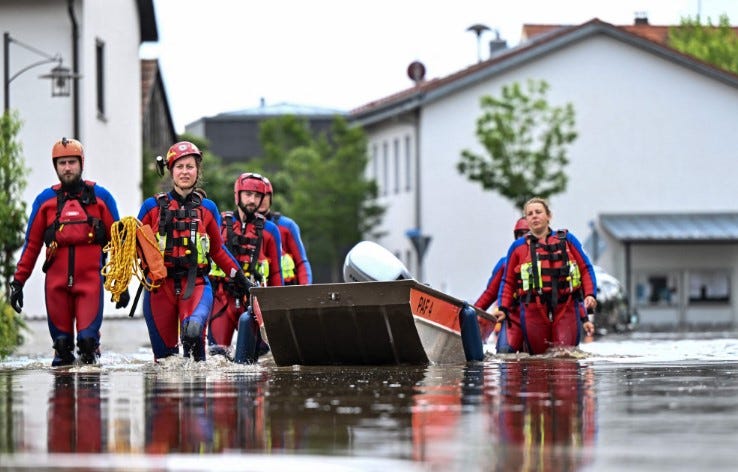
(218, 251)
(294, 246)
(273, 255)
(508, 282)
(34, 240)
(488, 297)
(589, 282)
(109, 210)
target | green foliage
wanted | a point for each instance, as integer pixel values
(13, 217)
(525, 139)
(216, 178)
(151, 182)
(11, 329)
(716, 44)
(320, 183)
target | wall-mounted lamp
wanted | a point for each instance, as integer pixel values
(60, 76)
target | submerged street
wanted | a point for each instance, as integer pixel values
(640, 401)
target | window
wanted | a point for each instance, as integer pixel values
(396, 157)
(711, 286)
(375, 162)
(408, 163)
(385, 167)
(658, 288)
(100, 77)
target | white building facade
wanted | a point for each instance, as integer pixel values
(104, 113)
(656, 138)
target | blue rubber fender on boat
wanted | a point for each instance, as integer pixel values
(471, 338)
(246, 342)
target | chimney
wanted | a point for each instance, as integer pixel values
(641, 18)
(497, 44)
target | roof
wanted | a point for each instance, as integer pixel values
(674, 227)
(147, 20)
(656, 33)
(280, 109)
(150, 80)
(538, 46)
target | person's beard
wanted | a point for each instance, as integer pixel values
(70, 180)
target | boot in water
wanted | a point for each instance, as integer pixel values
(192, 340)
(63, 351)
(88, 350)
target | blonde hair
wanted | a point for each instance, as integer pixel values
(537, 200)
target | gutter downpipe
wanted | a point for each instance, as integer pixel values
(418, 208)
(75, 70)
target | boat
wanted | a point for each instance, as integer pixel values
(366, 321)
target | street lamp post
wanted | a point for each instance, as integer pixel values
(59, 75)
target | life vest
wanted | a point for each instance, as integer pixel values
(551, 274)
(73, 224)
(243, 239)
(182, 240)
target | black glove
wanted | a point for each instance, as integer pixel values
(125, 297)
(16, 295)
(242, 284)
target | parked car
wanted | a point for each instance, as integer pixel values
(614, 313)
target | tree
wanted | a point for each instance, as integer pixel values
(525, 139)
(716, 44)
(320, 182)
(13, 218)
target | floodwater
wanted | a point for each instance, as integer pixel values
(642, 401)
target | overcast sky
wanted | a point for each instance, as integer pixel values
(225, 55)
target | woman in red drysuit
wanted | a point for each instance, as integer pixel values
(188, 231)
(551, 280)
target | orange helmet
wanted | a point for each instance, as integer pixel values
(68, 148)
(521, 227)
(181, 149)
(249, 181)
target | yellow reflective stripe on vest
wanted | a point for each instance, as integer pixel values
(262, 267)
(203, 246)
(526, 275)
(575, 276)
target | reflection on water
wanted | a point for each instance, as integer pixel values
(74, 415)
(586, 412)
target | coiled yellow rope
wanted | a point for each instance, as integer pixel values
(123, 262)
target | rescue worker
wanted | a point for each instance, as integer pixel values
(188, 232)
(511, 330)
(255, 243)
(73, 219)
(296, 268)
(550, 279)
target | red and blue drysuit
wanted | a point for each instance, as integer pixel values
(488, 297)
(188, 230)
(548, 280)
(74, 224)
(509, 333)
(256, 244)
(296, 268)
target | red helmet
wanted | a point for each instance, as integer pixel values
(521, 227)
(181, 149)
(249, 181)
(269, 188)
(68, 148)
